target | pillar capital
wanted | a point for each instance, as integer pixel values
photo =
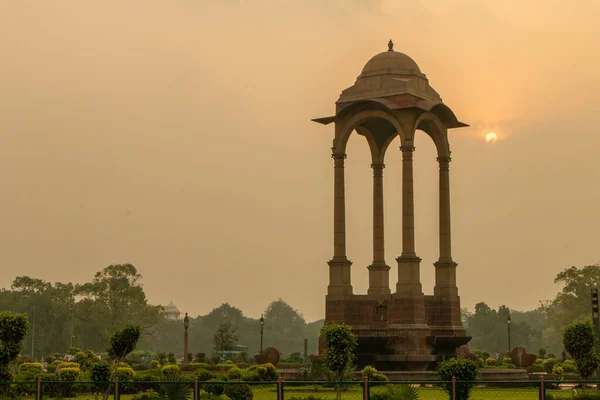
(444, 159)
(407, 148)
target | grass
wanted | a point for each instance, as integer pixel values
(354, 392)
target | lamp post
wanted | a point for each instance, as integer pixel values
(262, 323)
(508, 321)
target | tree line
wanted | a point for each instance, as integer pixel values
(64, 315)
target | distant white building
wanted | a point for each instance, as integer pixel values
(171, 312)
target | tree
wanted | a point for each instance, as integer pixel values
(123, 342)
(573, 302)
(113, 299)
(340, 350)
(465, 371)
(225, 338)
(13, 329)
(579, 339)
(285, 327)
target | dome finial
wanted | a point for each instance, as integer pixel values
(390, 45)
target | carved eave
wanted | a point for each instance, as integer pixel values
(399, 102)
(324, 120)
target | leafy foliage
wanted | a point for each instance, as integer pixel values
(123, 342)
(340, 345)
(238, 391)
(396, 392)
(225, 338)
(465, 372)
(175, 387)
(580, 341)
(13, 328)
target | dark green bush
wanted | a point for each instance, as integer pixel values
(213, 387)
(238, 391)
(194, 366)
(465, 372)
(549, 364)
(204, 375)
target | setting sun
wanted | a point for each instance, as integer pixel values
(491, 137)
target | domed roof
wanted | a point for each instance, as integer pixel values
(390, 62)
(171, 308)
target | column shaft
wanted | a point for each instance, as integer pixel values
(339, 266)
(445, 271)
(379, 275)
(409, 276)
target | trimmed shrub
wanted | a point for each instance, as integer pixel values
(213, 387)
(69, 374)
(31, 368)
(239, 391)
(250, 376)
(170, 370)
(194, 366)
(549, 364)
(154, 364)
(204, 375)
(68, 364)
(465, 372)
(125, 374)
(538, 361)
(480, 362)
(507, 360)
(536, 368)
(491, 362)
(234, 373)
(266, 372)
(225, 366)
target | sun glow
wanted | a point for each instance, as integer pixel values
(491, 137)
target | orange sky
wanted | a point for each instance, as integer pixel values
(176, 136)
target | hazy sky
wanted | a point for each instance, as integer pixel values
(176, 135)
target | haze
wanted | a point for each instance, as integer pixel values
(176, 136)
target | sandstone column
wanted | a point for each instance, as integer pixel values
(409, 280)
(379, 275)
(339, 266)
(445, 272)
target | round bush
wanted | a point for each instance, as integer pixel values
(125, 374)
(69, 374)
(213, 387)
(31, 368)
(154, 364)
(380, 378)
(558, 373)
(68, 364)
(507, 360)
(250, 376)
(491, 362)
(234, 373)
(204, 375)
(549, 364)
(170, 370)
(238, 391)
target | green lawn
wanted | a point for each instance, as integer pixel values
(354, 392)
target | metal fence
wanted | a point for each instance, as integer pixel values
(181, 389)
